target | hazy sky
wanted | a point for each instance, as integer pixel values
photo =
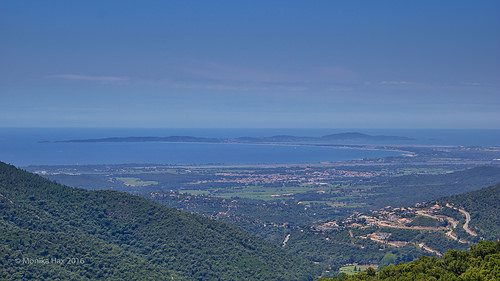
(250, 64)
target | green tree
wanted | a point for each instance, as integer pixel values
(389, 258)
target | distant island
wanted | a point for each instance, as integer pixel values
(350, 136)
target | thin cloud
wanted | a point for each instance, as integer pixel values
(71, 109)
(88, 77)
(394, 83)
(475, 84)
(214, 75)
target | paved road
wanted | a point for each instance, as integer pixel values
(466, 224)
(286, 240)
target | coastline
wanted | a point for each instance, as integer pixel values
(25, 147)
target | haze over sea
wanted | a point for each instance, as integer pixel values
(36, 146)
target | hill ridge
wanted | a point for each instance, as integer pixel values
(111, 230)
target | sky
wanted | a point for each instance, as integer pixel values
(250, 64)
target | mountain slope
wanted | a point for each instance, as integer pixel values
(121, 236)
(482, 262)
(411, 189)
(484, 208)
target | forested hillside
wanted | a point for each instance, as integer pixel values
(50, 231)
(411, 189)
(482, 262)
(484, 208)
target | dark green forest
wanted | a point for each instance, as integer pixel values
(481, 262)
(484, 208)
(54, 232)
(410, 189)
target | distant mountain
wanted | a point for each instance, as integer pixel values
(352, 136)
(360, 136)
(49, 231)
(411, 189)
(150, 139)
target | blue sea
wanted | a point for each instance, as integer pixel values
(30, 146)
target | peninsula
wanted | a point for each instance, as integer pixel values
(350, 136)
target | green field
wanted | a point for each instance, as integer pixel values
(259, 192)
(353, 269)
(195, 191)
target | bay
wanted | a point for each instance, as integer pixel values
(37, 146)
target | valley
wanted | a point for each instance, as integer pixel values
(250, 140)
(337, 215)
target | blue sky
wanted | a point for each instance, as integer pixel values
(250, 64)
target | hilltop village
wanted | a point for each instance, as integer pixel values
(421, 217)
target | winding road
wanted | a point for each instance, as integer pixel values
(286, 240)
(466, 224)
(467, 219)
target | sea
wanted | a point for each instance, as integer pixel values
(38, 146)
